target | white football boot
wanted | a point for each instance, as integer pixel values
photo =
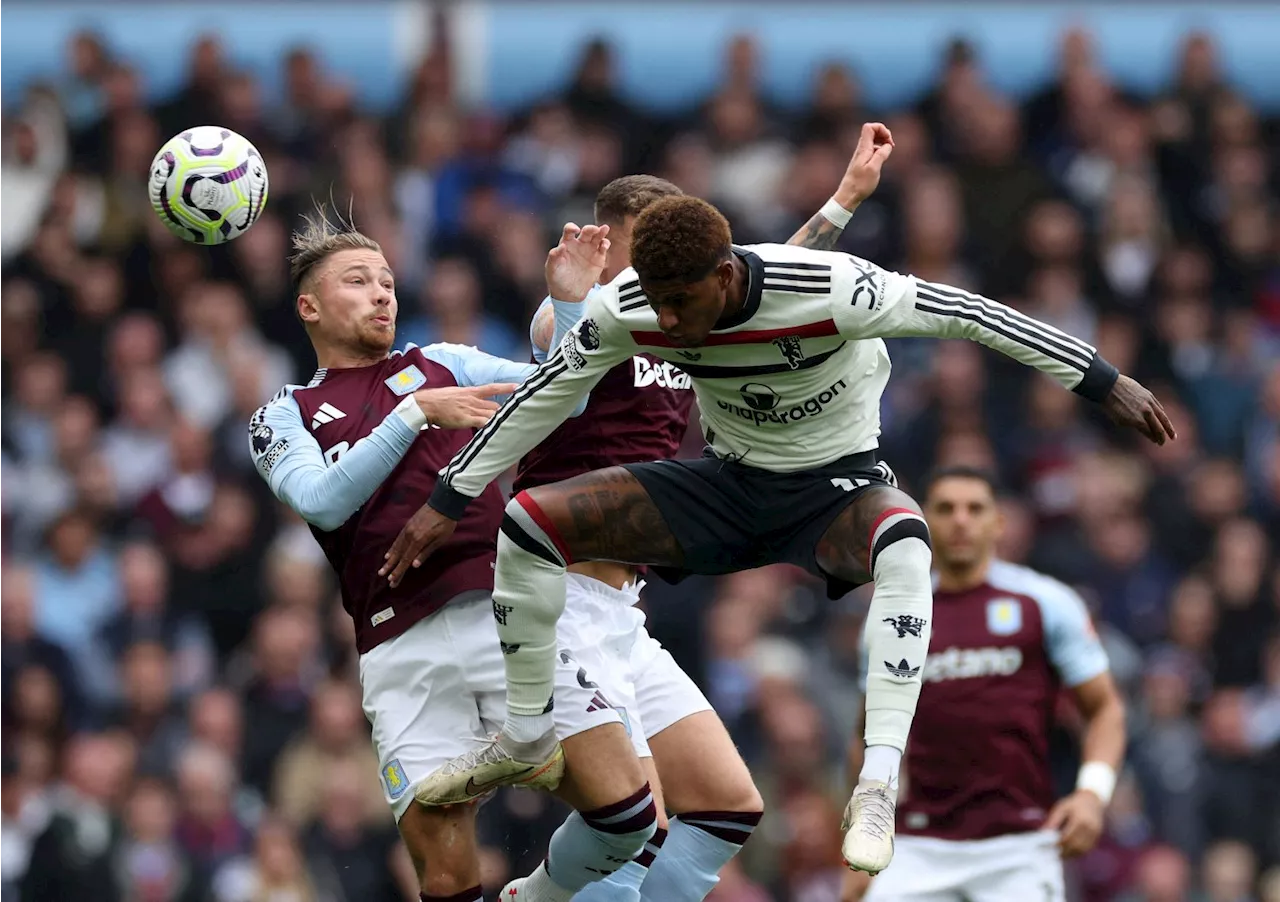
(499, 762)
(868, 827)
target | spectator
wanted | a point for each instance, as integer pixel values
(151, 582)
(277, 870)
(154, 866)
(77, 584)
(209, 829)
(146, 713)
(337, 739)
(136, 447)
(24, 648)
(76, 855)
(357, 854)
(1163, 875)
(285, 645)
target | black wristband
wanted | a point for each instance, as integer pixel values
(1098, 380)
(448, 500)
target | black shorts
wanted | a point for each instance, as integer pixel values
(729, 517)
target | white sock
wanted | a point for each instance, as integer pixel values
(528, 598)
(881, 763)
(898, 628)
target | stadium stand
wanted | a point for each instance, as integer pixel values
(177, 672)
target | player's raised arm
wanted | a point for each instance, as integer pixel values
(861, 178)
(572, 269)
(870, 302)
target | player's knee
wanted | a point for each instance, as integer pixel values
(527, 527)
(745, 797)
(900, 535)
(623, 828)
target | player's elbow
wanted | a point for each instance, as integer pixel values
(316, 512)
(323, 520)
(327, 523)
(1113, 710)
(1100, 702)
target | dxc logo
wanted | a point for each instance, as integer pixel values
(865, 287)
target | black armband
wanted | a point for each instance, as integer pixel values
(448, 500)
(1098, 379)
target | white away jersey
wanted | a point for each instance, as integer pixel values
(792, 381)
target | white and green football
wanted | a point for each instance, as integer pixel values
(208, 184)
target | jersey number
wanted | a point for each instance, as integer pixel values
(848, 485)
(331, 456)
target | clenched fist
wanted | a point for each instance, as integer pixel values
(862, 175)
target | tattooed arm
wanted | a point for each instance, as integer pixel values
(819, 233)
(862, 176)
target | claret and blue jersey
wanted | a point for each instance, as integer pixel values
(1000, 653)
(336, 452)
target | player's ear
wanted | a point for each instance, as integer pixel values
(306, 308)
(724, 273)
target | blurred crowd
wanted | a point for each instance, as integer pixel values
(181, 721)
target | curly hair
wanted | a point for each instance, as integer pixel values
(679, 239)
(629, 195)
(319, 238)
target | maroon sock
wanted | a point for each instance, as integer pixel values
(652, 848)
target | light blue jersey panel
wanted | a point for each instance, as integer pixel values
(1070, 641)
(290, 459)
(567, 314)
(471, 366)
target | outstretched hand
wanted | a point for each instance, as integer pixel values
(1129, 404)
(426, 531)
(862, 176)
(574, 265)
(461, 407)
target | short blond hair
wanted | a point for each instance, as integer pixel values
(320, 238)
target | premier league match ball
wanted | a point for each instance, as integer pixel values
(208, 184)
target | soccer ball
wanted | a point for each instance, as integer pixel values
(208, 184)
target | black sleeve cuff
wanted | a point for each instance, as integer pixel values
(1098, 380)
(449, 501)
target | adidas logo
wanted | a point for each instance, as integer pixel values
(598, 703)
(902, 669)
(326, 414)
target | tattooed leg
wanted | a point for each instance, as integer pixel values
(604, 515)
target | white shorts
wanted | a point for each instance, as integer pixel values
(439, 689)
(652, 688)
(1021, 866)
